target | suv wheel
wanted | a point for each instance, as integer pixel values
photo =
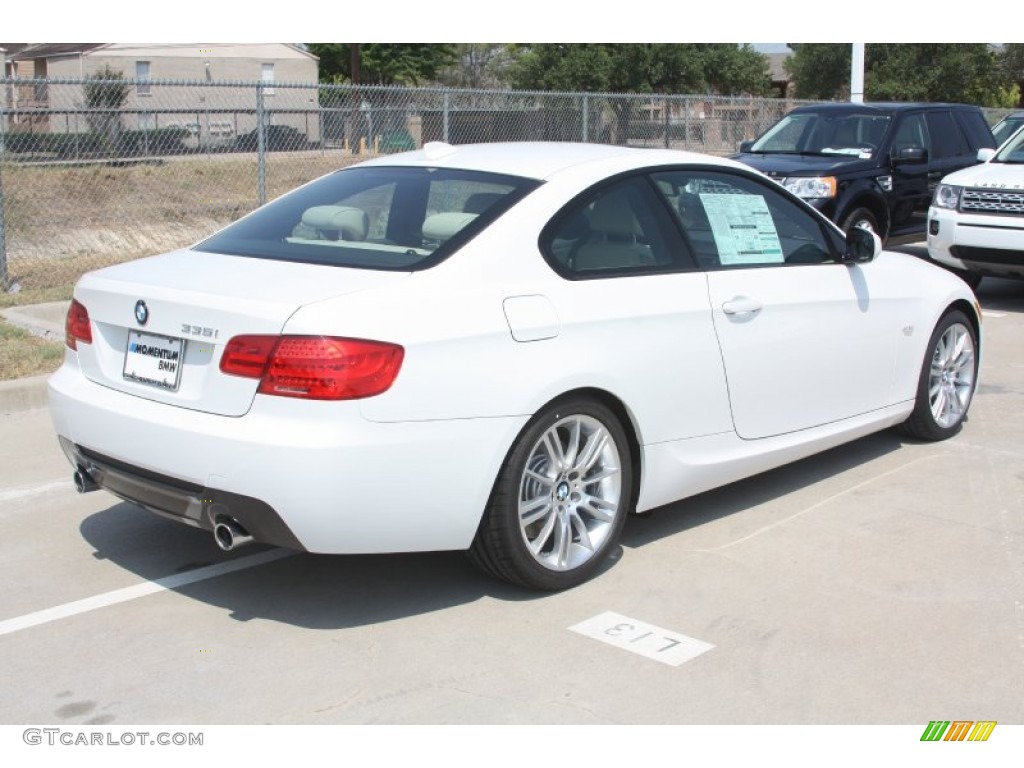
(862, 218)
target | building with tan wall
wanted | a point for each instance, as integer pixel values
(216, 99)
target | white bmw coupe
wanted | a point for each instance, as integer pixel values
(505, 349)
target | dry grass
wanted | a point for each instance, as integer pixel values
(63, 221)
(22, 354)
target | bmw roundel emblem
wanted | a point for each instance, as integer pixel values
(141, 312)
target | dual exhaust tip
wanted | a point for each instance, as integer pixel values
(83, 481)
(227, 532)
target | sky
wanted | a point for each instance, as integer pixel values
(463, 21)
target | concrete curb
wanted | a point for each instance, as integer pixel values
(45, 320)
(23, 394)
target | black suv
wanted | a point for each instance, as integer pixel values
(870, 165)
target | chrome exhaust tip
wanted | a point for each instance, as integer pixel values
(230, 535)
(83, 481)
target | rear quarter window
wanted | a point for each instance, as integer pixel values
(947, 138)
(978, 133)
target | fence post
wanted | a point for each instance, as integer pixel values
(686, 123)
(4, 282)
(668, 105)
(3, 156)
(3, 101)
(261, 148)
(586, 117)
(444, 130)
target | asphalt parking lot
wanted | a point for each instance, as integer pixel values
(879, 583)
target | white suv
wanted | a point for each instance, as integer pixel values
(976, 219)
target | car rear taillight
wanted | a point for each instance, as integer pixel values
(314, 367)
(77, 327)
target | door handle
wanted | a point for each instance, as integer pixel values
(741, 305)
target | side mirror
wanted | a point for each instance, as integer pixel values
(911, 155)
(862, 245)
(985, 154)
(746, 146)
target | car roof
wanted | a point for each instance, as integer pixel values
(542, 160)
(880, 106)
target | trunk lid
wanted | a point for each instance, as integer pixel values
(169, 350)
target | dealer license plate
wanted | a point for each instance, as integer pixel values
(154, 359)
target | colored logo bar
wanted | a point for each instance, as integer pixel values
(958, 730)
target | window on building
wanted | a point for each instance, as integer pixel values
(267, 76)
(142, 76)
(40, 72)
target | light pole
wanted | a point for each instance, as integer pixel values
(857, 74)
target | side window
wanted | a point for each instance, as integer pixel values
(978, 132)
(947, 138)
(911, 132)
(733, 221)
(621, 228)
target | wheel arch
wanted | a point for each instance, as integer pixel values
(865, 198)
(970, 311)
(629, 425)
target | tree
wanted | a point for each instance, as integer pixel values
(1011, 62)
(479, 65)
(381, 63)
(721, 68)
(819, 70)
(641, 68)
(105, 93)
(964, 72)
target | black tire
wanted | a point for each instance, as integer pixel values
(952, 376)
(578, 506)
(864, 219)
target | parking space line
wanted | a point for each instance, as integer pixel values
(139, 590)
(823, 502)
(13, 494)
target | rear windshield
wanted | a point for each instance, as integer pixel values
(389, 218)
(858, 135)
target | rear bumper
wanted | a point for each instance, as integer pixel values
(312, 476)
(181, 501)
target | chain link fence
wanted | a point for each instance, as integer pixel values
(96, 172)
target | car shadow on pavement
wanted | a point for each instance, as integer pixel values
(996, 294)
(308, 590)
(339, 591)
(742, 495)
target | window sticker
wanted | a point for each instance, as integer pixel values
(858, 152)
(743, 228)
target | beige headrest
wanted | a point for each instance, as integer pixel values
(442, 226)
(351, 223)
